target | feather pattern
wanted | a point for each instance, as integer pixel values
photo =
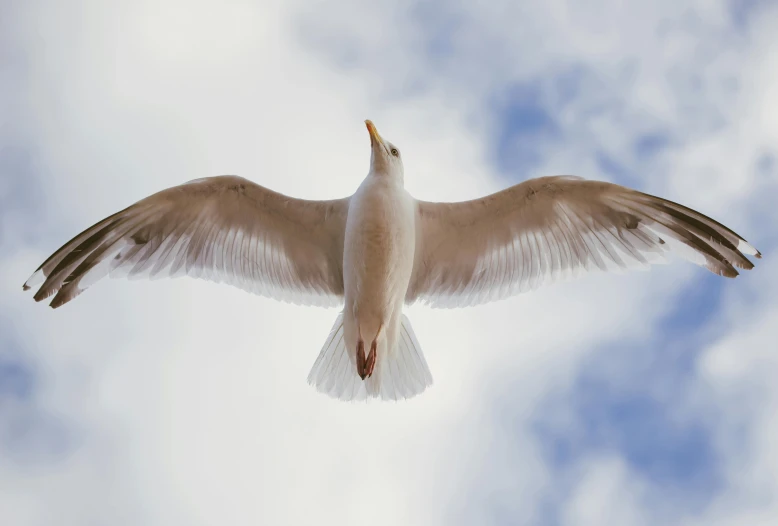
(380, 248)
(222, 229)
(402, 372)
(554, 228)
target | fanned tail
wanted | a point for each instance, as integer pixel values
(401, 373)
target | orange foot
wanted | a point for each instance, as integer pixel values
(361, 360)
(365, 364)
(370, 362)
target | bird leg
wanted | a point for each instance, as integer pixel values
(361, 360)
(371, 357)
(370, 362)
(366, 364)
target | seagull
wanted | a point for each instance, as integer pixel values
(381, 249)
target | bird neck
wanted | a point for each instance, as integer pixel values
(387, 173)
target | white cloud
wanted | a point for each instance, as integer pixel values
(606, 494)
(188, 400)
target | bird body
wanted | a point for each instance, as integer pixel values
(380, 240)
(381, 249)
(377, 260)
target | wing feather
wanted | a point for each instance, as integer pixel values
(223, 229)
(553, 228)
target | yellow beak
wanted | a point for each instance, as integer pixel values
(374, 137)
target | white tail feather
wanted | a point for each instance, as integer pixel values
(400, 374)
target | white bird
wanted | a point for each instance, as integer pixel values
(381, 249)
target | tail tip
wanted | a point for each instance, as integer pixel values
(402, 374)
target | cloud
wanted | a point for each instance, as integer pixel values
(185, 402)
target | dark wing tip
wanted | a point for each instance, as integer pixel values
(57, 302)
(41, 295)
(727, 270)
(25, 287)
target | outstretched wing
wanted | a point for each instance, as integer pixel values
(224, 229)
(548, 228)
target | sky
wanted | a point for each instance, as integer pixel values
(636, 399)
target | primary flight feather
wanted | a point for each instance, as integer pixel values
(381, 249)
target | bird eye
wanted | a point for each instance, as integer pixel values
(395, 152)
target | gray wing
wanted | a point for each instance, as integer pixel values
(223, 229)
(552, 228)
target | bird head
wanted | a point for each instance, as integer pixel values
(385, 157)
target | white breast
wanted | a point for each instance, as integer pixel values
(379, 250)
